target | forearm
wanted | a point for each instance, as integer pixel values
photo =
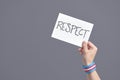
(93, 76)
(90, 70)
(88, 52)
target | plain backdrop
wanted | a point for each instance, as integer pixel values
(27, 51)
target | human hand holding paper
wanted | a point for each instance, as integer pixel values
(88, 53)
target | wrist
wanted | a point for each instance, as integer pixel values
(87, 62)
(89, 68)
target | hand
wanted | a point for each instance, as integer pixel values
(88, 52)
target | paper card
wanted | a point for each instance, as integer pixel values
(71, 30)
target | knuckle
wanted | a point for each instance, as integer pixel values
(95, 48)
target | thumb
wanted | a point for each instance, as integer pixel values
(84, 45)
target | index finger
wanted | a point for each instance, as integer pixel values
(91, 44)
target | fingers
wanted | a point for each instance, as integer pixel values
(85, 46)
(91, 45)
(80, 49)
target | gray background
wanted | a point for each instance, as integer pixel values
(27, 52)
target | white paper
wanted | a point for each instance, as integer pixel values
(71, 30)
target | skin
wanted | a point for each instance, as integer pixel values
(88, 53)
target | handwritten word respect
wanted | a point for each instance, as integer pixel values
(73, 29)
